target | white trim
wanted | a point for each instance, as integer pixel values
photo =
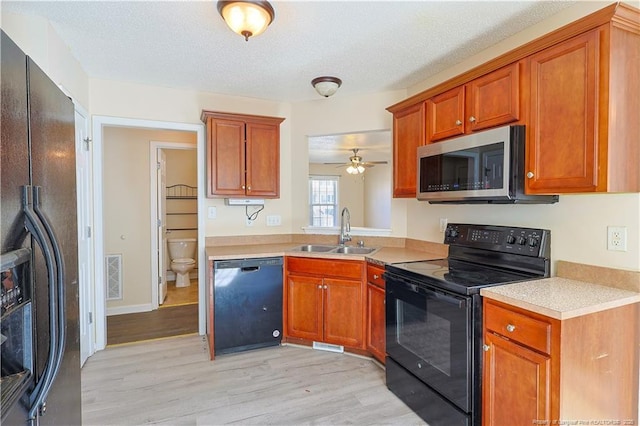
(154, 146)
(130, 309)
(97, 128)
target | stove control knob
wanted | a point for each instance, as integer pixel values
(522, 241)
(511, 239)
(533, 242)
(452, 232)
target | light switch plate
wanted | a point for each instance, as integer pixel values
(212, 213)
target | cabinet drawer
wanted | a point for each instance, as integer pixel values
(326, 268)
(518, 327)
(374, 275)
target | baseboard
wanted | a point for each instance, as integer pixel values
(130, 309)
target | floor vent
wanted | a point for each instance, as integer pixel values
(328, 347)
(113, 268)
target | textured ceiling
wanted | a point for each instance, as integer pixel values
(372, 46)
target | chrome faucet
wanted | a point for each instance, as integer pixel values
(345, 227)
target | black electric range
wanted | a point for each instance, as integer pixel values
(434, 316)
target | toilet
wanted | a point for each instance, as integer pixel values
(182, 252)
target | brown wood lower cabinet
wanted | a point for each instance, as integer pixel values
(541, 370)
(324, 301)
(376, 326)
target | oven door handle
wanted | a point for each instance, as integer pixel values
(460, 302)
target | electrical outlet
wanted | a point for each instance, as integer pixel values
(443, 224)
(617, 238)
(249, 222)
(274, 220)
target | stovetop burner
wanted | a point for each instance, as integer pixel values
(458, 276)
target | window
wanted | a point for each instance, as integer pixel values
(323, 200)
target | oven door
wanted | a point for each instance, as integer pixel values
(429, 333)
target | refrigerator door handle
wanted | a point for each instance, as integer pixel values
(37, 230)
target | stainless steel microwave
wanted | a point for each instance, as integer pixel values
(483, 167)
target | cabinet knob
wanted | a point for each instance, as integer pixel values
(530, 175)
(243, 187)
(325, 287)
(485, 348)
(458, 122)
(472, 119)
(376, 276)
(511, 328)
(249, 188)
(320, 287)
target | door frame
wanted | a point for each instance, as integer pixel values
(154, 146)
(86, 291)
(99, 122)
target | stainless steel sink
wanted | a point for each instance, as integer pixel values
(314, 248)
(354, 250)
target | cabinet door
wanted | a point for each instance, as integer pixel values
(226, 156)
(263, 160)
(408, 135)
(343, 312)
(376, 343)
(562, 146)
(304, 307)
(445, 115)
(516, 384)
(494, 99)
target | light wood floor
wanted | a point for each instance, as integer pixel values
(181, 295)
(172, 381)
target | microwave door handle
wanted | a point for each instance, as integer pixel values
(60, 275)
(34, 227)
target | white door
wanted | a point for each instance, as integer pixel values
(162, 226)
(85, 241)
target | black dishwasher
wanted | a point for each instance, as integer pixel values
(247, 304)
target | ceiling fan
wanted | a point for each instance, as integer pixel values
(356, 165)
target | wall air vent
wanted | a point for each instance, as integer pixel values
(113, 270)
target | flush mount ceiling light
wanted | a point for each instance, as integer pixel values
(247, 18)
(326, 86)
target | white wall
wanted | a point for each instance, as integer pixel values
(338, 114)
(377, 199)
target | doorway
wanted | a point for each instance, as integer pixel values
(127, 231)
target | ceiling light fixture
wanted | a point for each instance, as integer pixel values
(326, 86)
(247, 18)
(355, 169)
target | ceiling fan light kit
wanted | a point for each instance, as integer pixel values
(326, 86)
(247, 18)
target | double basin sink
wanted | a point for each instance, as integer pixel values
(312, 248)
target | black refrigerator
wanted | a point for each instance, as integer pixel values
(40, 349)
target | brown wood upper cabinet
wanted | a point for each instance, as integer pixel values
(488, 101)
(243, 155)
(408, 135)
(583, 133)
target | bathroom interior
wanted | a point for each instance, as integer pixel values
(181, 210)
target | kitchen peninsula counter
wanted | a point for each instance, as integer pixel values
(381, 256)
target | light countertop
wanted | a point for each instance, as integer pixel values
(382, 255)
(561, 298)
